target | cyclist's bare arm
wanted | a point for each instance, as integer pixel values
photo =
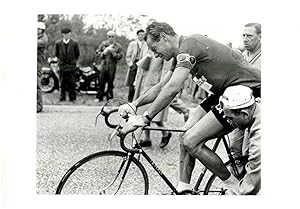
(153, 92)
(169, 91)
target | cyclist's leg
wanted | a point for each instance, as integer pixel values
(186, 161)
(194, 141)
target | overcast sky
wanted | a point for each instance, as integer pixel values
(224, 28)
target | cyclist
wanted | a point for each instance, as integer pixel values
(214, 67)
(243, 111)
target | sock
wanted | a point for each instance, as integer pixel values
(230, 182)
(183, 186)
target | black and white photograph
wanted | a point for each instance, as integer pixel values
(189, 93)
(139, 101)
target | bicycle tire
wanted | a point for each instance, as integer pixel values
(214, 184)
(94, 172)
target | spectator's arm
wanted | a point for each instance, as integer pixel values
(117, 54)
(129, 53)
(250, 184)
(99, 50)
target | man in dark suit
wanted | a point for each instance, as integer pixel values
(67, 51)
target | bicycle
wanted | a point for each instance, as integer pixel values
(121, 172)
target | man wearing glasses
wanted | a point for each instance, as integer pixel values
(108, 54)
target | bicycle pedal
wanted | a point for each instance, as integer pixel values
(187, 192)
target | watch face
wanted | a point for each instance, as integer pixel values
(181, 57)
(192, 60)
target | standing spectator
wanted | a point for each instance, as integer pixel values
(67, 51)
(252, 44)
(42, 41)
(108, 53)
(135, 51)
(148, 76)
(252, 53)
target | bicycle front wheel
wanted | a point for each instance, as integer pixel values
(105, 173)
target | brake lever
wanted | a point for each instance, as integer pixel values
(101, 112)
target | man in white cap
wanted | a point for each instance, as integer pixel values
(42, 41)
(243, 112)
(108, 54)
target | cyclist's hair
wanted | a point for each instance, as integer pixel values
(155, 28)
(257, 27)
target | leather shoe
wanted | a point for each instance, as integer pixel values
(145, 143)
(165, 140)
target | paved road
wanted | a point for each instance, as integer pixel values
(66, 134)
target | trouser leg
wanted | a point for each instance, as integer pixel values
(100, 92)
(131, 93)
(39, 107)
(110, 86)
(62, 86)
(131, 79)
(72, 85)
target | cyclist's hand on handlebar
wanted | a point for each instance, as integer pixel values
(126, 109)
(134, 122)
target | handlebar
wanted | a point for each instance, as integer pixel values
(106, 115)
(118, 128)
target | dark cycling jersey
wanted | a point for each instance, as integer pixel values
(215, 66)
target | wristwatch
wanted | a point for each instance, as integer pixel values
(146, 115)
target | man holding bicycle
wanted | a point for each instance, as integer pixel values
(214, 67)
(243, 111)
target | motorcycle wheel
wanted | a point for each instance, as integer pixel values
(47, 83)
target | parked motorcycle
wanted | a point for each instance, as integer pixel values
(88, 80)
(50, 76)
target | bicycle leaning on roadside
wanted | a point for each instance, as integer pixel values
(115, 172)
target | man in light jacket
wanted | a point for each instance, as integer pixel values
(136, 50)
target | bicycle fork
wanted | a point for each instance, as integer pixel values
(127, 159)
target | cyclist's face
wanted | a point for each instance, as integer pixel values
(241, 119)
(161, 48)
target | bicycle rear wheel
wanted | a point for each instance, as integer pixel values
(102, 173)
(214, 184)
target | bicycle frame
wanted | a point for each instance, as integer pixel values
(137, 149)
